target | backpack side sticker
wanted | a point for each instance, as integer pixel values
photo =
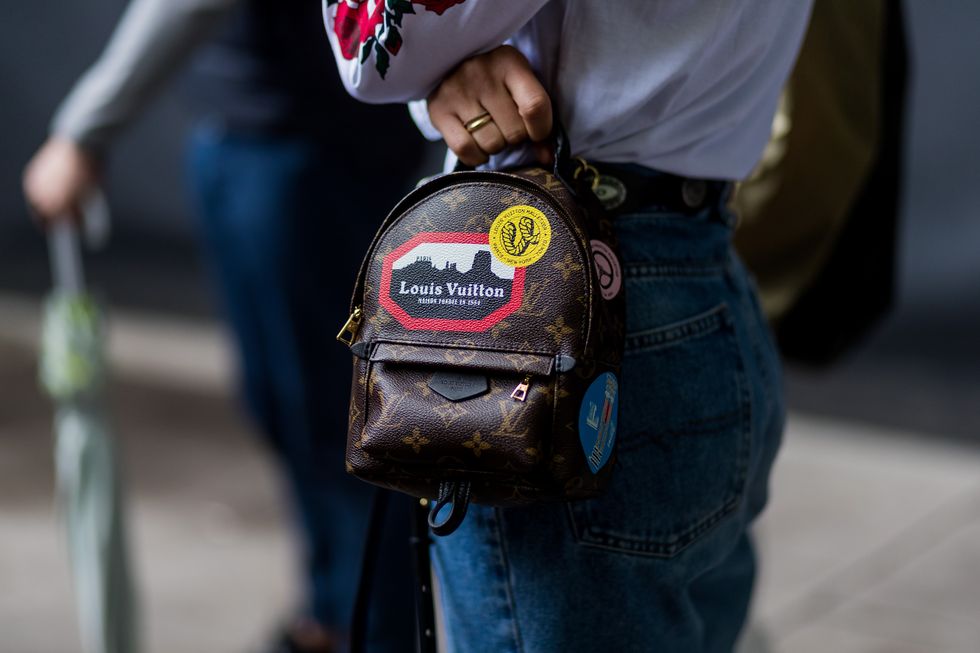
(597, 420)
(519, 236)
(607, 269)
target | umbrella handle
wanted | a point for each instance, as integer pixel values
(66, 257)
(65, 247)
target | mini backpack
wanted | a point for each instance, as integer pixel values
(487, 327)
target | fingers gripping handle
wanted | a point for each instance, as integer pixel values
(564, 165)
(64, 243)
(66, 257)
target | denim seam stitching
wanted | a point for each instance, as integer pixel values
(505, 563)
(688, 429)
(745, 445)
(642, 271)
(745, 388)
(671, 545)
(678, 332)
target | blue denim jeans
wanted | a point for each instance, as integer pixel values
(662, 562)
(285, 223)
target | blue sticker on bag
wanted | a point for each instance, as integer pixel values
(597, 420)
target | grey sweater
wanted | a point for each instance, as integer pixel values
(152, 40)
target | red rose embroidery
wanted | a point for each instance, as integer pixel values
(437, 6)
(356, 22)
(363, 25)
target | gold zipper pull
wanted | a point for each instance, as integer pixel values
(520, 392)
(349, 331)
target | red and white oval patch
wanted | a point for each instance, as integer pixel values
(449, 281)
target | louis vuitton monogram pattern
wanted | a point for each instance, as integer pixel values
(560, 274)
(416, 440)
(431, 429)
(567, 266)
(407, 437)
(476, 444)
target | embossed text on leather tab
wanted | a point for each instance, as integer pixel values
(456, 386)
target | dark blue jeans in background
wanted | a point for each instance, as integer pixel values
(285, 223)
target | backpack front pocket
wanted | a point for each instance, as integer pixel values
(457, 410)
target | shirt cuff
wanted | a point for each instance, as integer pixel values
(419, 110)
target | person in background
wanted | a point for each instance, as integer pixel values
(834, 163)
(278, 168)
(674, 99)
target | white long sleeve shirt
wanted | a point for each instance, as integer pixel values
(683, 86)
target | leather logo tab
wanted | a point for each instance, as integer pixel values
(456, 386)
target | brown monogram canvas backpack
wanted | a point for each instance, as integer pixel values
(487, 330)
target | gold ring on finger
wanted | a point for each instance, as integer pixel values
(481, 120)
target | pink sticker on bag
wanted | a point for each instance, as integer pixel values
(607, 269)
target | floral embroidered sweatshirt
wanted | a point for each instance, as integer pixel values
(683, 86)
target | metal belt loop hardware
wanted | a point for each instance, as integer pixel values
(583, 166)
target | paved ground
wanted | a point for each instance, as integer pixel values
(211, 548)
(871, 543)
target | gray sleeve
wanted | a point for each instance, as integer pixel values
(152, 39)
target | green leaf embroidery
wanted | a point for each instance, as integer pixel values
(382, 60)
(394, 40)
(401, 6)
(366, 49)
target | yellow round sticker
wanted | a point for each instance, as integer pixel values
(520, 235)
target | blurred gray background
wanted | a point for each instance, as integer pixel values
(876, 497)
(919, 370)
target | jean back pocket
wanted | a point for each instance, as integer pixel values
(684, 440)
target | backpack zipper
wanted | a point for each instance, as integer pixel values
(349, 331)
(520, 392)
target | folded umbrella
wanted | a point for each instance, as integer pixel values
(72, 371)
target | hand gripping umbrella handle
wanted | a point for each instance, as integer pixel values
(65, 247)
(66, 257)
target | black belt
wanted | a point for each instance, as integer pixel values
(623, 191)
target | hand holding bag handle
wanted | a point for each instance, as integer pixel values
(564, 167)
